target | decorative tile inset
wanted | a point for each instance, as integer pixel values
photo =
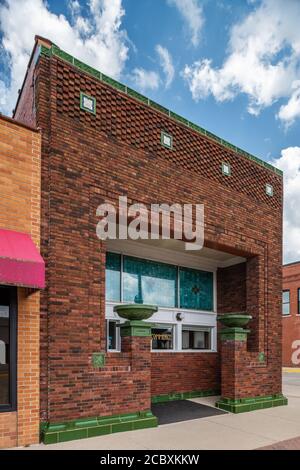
(98, 360)
(269, 190)
(226, 169)
(87, 103)
(166, 140)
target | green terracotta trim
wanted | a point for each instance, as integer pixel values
(135, 328)
(54, 50)
(165, 134)
(91, 427)
(225, 164)
(243, 405)
(261, 357)
(234, 334)
(184, 395)
(84, 108)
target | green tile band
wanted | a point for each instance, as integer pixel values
(242, 405)
(56, 51)
(184, 395)
(91, 427)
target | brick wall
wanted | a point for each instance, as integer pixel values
(184, 372)
(20, 170)
(291, 323)
(90, 159)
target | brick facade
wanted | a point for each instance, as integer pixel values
(88, 159)
(20, 175)
(291, 323)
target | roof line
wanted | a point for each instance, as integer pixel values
(18, 123)
(291, 264)
(48, 48)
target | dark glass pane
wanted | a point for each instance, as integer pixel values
(4, 347)
(162, 337)
(113, 277)
(112, 335)
(195, 339)
(196, 289)
(149, 282)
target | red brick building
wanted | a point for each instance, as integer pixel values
(291, 315)
(100, 140)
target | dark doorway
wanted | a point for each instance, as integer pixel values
(182, 410)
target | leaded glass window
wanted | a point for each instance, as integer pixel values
(196, 289)
(149, 282)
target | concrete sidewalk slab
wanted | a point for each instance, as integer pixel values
(257, 429)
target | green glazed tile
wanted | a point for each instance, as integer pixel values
(72, 435)
(113, 83)
(99, 431)
(50, 438)
(121, 427)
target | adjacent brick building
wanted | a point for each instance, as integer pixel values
(291, 315)
(21, 274)
(100, 140)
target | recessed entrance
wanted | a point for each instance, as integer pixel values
(182, 410)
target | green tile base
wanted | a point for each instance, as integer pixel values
(184, 395)
(92, 427)
(243, 405)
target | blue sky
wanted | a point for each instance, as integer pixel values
(231, 66)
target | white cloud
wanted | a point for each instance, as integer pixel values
(145, 79)
(289, 163)
(290, 111)
(166, 63)
(97, 38)
(191, 11)
(263, 60)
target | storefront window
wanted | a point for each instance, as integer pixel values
(195, 338)
(162, 337)
(113, 277)
(149, 282)
(196, 289)
(7, 348)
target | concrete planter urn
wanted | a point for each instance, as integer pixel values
(234, 320)
(134, 312)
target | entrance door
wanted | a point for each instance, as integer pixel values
(8, 360)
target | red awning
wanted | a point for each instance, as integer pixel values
(20, 262)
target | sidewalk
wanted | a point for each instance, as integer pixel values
(257, 429)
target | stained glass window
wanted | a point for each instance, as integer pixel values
(152, 282)
(113, 277)
(196, 289)
(149, 282)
